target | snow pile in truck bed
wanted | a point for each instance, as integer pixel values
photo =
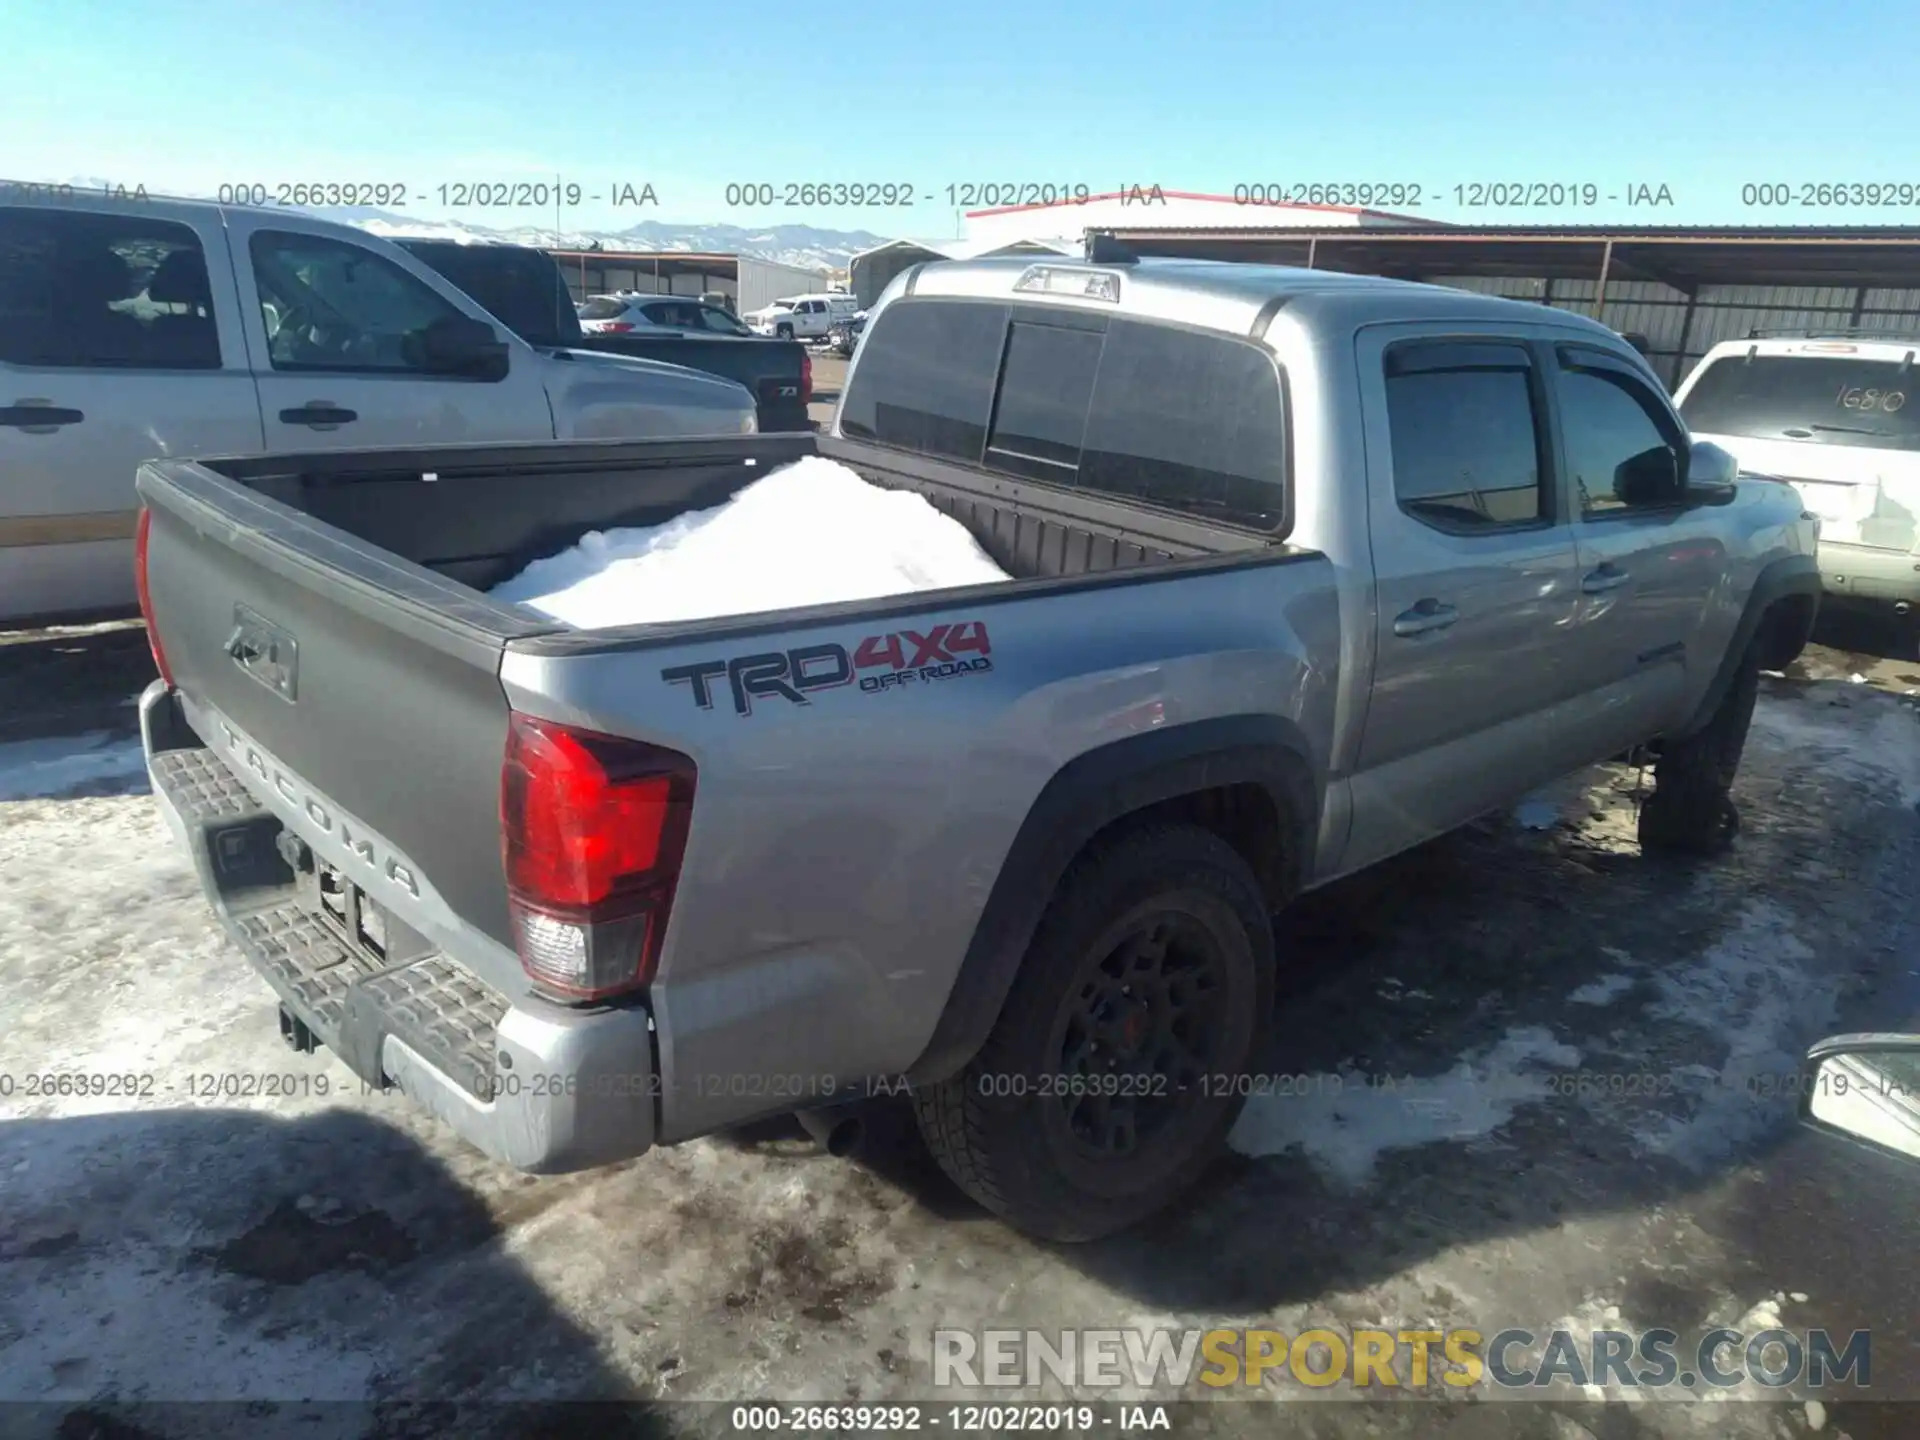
(809, 533)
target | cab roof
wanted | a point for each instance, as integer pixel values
(1226, 295)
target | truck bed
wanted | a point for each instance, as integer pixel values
(490, 511)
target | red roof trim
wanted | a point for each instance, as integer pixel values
(1187, 195)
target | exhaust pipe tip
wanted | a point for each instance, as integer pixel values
(1902, 607)
(838, 1134)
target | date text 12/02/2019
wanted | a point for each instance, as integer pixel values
(1466, 195)
(548, 195)
(989, 1419)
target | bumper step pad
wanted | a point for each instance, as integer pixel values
(349, 998)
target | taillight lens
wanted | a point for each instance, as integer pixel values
(615, 327)
(806, 377)
(594, 828)
(141, 529)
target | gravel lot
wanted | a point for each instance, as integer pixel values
(829, 374)
(193, 1245)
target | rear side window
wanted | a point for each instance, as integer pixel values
(87, 290)
(1464, 422)
(1182, 419)
(1835, 400)
(602, 308)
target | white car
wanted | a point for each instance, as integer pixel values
(131, 329)
(802, 317)
(1838, 415)
(629, 314)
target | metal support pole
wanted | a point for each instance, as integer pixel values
(1600, 294)
(1686, 330)
(1313, 244)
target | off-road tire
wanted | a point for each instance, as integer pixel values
(783, 332)
(1691, 810)
(1000, 1128)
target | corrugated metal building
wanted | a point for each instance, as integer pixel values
(1681, 289)
(748, 280)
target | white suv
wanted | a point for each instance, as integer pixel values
(1839, 417)
(802, 317)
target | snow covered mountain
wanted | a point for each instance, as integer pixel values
(806, 246)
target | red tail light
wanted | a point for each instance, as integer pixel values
(806, 377)
(615, 327)
(141, 528)
(594, 828)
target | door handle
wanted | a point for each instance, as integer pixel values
(1598, 582)
(1426, 615)
(320, 414)
(38, 417)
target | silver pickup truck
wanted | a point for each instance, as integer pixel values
(1306, 569)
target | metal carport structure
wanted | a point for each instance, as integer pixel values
(1684, 288)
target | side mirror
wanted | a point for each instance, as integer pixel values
(1650, 478)
(1712, 474)
(461, 345)
(1866, 1088)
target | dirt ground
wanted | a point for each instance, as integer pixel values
(191, 1243)
(829, 374)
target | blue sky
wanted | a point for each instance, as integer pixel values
(1702, 98)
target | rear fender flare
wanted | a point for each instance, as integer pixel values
(1084, 797)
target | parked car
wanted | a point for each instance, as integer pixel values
(801, 317)
(1838, 415)
(524, 288)
(1306, 569)
(133, 328)
(844, 334)
(626, 314)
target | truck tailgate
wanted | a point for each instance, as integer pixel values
(355, 695)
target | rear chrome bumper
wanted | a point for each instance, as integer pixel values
(1868, 574)
(537, 1086)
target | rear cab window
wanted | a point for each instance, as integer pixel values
(1834, 399)
(83, 290)
(1186, 420)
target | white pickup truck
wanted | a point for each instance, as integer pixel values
(140, 329)
(802, 317)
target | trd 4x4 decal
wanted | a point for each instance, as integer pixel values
(879, 662)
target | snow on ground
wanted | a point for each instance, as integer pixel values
(182, 1243)
(59, 765)
(809, 533)
(1345, 1121)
